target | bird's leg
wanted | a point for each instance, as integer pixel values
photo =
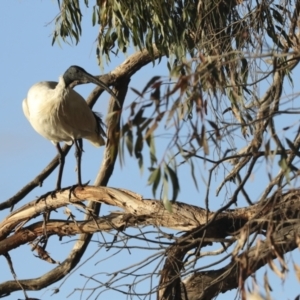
(61, 157)
(61, 166)
(78, 154)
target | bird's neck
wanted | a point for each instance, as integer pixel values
(61, 89)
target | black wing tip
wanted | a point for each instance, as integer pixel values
(100, 124)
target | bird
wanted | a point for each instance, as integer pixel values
(60, 114)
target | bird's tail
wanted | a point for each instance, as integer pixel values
(100, 131)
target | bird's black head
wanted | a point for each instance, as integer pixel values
(74, 73)
(79, 75)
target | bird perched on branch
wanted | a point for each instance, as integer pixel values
(60, 114)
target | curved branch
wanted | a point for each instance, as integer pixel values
(138, 211)
(279, 207)
(209, 284)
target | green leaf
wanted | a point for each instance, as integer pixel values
(154, 180)
(167, 204)
(172, 111)
(151, 129)
(129, 142)
(267, 148)
(175, 182)
(149, 41)
(156, 94)
(244, 70)
(204, 143)
(150, 82)
(145, 123)
(137, 120)
(94, 15)
(151, 144)
(291, 145)
(138, 145)
(285, 168)
(193, 174)
(277, 16)
(141, 163)
(215, 127)
(137, 92)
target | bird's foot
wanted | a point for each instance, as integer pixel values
(70, 188)
(73, 187)
(51, 193)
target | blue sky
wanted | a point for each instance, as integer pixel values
(26, 58)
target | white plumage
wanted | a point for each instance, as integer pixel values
(60, 114)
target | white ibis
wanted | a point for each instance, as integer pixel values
(60, 114)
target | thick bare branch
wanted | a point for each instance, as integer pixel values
(139, 211)
(209, 284)
(279, 207)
